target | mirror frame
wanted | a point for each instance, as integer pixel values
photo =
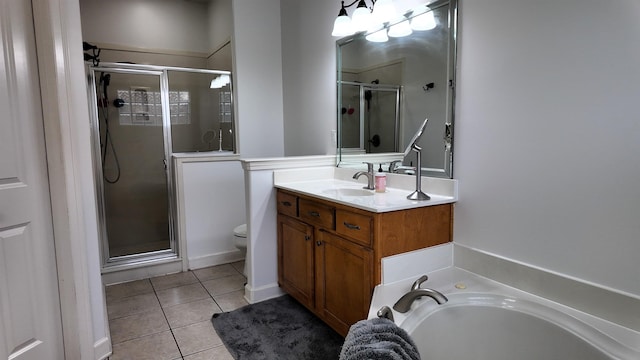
(356, 160)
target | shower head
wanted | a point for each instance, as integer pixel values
(105, 79)
(86, 46)
(88, 57)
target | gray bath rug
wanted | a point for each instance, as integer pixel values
(278, 328)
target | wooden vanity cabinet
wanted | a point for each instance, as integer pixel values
(329, 254)
(344, 274)
(296, 259)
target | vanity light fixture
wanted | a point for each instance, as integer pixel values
(424, 21)
(381, 21)
(342, 26)
(383, 11)
(220, 81)
(403, 28)
(363, 17)
(378, 36)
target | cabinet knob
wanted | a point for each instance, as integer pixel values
(314, 213)
(307, 237)
(286, 203)
(318, 242)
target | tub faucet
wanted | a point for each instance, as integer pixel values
(417, 283)
(368, 174)
(404, 304)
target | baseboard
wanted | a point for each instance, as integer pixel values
(141, 272)
(199, 262)
(254, 295)
(102, 348)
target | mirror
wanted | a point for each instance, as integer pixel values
(387, 89)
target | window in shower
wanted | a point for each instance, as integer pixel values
(141, 106)
(210, 125)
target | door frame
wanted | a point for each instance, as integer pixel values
(67, 137)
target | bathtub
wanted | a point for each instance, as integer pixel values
(487, 320)
(483, 326)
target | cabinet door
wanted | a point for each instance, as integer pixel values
(344, 276)
(296, 259)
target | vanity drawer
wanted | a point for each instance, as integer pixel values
(317, 213)
(287, 204)
(356, 226)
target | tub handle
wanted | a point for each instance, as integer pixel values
(385, 312)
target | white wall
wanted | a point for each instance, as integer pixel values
(309, 76)
(258, 77)
(143, 24)
(213, 204)
(220, 23)
(547, 136)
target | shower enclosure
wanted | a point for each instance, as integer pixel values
(370, 114)
(141, 115)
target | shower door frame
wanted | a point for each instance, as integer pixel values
(362, 87)
(173, 252)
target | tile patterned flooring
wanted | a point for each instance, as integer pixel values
(169, 317)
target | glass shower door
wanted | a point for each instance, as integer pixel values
(133, 142)
(381, 132)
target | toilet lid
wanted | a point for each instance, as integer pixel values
(240, 231)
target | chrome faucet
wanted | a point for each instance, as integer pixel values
(404, 303)
(417, 283)
(393, 165)
(368, 174)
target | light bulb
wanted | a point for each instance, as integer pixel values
(383, 11)
(361, 18)
(377, 33)
(378, 36)
(426, 21)
(400, 29)
(342, 26)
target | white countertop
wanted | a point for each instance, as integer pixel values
(336, 184)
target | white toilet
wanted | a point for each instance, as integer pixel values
(240, 241)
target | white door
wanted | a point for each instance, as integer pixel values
(30, 324)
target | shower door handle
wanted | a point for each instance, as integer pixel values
(164, 162)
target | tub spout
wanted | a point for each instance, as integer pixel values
(404, 303)
(417, 283)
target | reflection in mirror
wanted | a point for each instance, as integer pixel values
(387, 89)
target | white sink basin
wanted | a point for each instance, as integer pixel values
(348, 192)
